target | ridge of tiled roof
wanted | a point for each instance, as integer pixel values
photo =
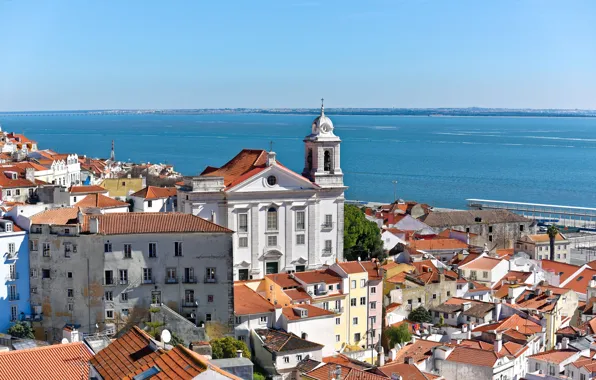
(347, 373)
(473, 356)
(248, 302)
(154, 192)
(58, 216)
(555, 355)
(150, 222)
(88, 189)
(313, 312)
(247, 161)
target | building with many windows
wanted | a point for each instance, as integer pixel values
(14, 294)
(283, 221)
(106, 268)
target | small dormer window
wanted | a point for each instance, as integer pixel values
(15, 176)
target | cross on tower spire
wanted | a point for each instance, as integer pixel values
(271, 146)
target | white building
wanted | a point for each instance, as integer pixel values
(538, 247)
(60, 169)
(283, 221)
(484, 269)
(154, 199)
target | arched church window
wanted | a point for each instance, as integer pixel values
(309, 160)
(272, 219)
(327, 161)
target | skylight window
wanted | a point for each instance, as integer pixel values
(148, 373)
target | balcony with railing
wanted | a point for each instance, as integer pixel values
(189, 302)
(171, 280)
(35, 317)
(189, 279)
(337, 310)
(109, 282)
(46, 252)
(123, 281)
(12, 255)
(12, 277)
(13, 297)
(148, 281)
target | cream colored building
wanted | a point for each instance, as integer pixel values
(538, 247)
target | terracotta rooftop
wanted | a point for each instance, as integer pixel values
(347, 373)
(313, 312)
(406, 371)
(466, 259)
(524, 326)
(316, 276)
(351, 267)
(419, 351)
(588, 363)
(154, 192)
(98, 200)
(481, 263)
(437, 244)
(151, 222)
(59, 216)
(244, 165)
(399, 278)
(544, 238)
(374, 269)
(277, 341)
(562, 269)
(346, 361)
(61, 361)
(86, 189)
(392, 306)
(554, 356)
(580, 281)
(7, 181)
(284, 280)
(297, 294)
(247, 301)
(473, 356)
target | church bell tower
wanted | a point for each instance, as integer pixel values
(321, 153)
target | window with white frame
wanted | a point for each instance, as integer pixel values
(353, 302)
(299, 358)
(152, 249)
(109, 314)
(300, 221)
(14, 312)
(286, 359)
(373, 290)
(178, 248)
(272, 241)
(353, 284)
(373, 305)
(272, 219)
(147, 275)
(300, 239)
(337, 338)
(328, 221)
(123, 276)
(362, 301)
(123, 297)
(362, 283)
(355, 320)
(127, 251)
(338, 321)
(263, 320)
(242, 222)
(243, 242)
(109, 296)
(33, 245)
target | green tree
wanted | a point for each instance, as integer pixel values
(226, 348)
(399, 334)
(258, 376)
(21, 330)
(362, 238)
(420, 315)
(552, 232)
(176, 340)
(155, 325)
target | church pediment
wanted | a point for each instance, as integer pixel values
(242, 264)
(299, 261)
(274, 178)
(271, 255)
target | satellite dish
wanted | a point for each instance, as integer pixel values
(64, 341)
(166, 336)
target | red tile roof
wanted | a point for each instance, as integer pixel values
(554, 356)
(60, 361)
(154, 192)
(7, 182)
(580, 281)
(524, 326)
(59, 216)
(313, 312)
(151, 223)
(98, 200)
(86, 189)
(392, 306)
(437, 244)
(473, 356)
(482, 263)
(399, 278)
(418, 351)
(544, 238)
(351, 267)
(297, 294)
(244, 165)
(347, 373)
(284, 280)
(565, 270)
(406, 371)
(316, 276)
(248, 302)
(373, 268)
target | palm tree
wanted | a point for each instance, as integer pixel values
(552, 232)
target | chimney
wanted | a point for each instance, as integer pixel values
(564, 343)
(408, 360)
(498, 341)
(271, 158)
(392, 354)
(30, 174)
(395, 376)
(593, 282)
(498, 307)
(468, 238)
(80, 217)
(238, 353)
(381, 356)
(94, 225)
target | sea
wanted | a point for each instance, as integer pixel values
(441, 161)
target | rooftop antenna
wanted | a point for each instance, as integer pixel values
(271, 146)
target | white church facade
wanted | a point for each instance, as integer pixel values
(283, 221)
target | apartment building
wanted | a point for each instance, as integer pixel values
(102, 269)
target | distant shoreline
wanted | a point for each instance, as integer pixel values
(418, 112)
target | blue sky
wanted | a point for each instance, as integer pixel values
(84, 54)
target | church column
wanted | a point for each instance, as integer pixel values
(340, 229)
(255, 268)
(313, 235)
(289, 219)
(336, 161)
